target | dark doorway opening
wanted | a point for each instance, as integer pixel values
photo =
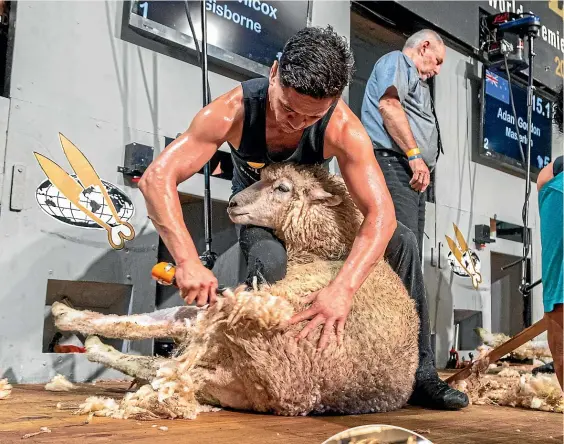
(511, 312)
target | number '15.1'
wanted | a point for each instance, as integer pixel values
(538, 107)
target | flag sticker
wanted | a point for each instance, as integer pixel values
(497, 87)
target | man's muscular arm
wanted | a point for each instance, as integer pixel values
(367, 187)
(347, 140)
(212, 126)
(397, 125)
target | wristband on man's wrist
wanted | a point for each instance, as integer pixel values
(413, 152)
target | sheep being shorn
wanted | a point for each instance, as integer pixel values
(240, 353)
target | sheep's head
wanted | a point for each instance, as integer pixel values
(306, 207)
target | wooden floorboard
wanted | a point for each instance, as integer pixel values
(31, 407)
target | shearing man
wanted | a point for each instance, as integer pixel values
(295, 115)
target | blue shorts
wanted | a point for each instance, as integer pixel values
(551, 230)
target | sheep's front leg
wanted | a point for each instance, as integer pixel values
(172, 322)
(140, 367)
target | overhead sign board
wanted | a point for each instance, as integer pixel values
(246, 33)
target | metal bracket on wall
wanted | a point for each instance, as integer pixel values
(436, 263)
(17, 193)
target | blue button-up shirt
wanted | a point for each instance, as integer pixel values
(397, 70)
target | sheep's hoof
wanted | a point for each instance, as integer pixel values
(94, 345)
(65, 317)
(136, 384)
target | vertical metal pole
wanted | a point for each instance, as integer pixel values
(530, 105)
(204, 53)
(206, 101)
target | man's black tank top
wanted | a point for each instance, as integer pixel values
(253, 155)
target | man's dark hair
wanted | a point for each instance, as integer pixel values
(316, 62)
(558, 110)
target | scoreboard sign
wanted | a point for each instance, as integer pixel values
(247, 33)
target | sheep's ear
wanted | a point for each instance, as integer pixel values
(321, 196)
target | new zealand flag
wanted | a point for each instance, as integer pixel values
(497, 87)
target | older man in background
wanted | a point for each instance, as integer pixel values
(398, 114)
(398, 117)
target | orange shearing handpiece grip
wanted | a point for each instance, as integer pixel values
(163, 273)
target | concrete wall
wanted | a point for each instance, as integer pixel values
(74, 74)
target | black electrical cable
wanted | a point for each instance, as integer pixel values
(208, 258)
(490, 37)
(526, 237)
(526, 231)
(513, 108)
(526, 240)
(198, 51)
(524, 287)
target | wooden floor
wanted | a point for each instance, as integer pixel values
(31, 407)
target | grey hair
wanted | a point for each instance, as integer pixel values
(420, 36)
